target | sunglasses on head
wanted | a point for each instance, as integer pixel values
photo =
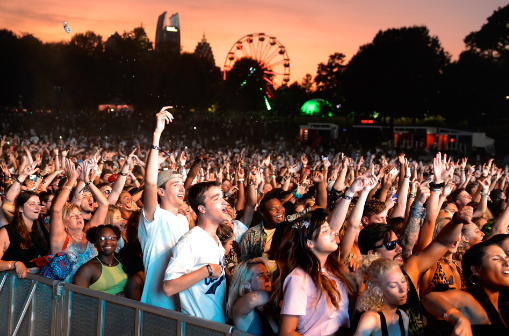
(389, 246)
(110, 238)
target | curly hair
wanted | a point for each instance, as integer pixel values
(372, 298)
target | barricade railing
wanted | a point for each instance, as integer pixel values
(41, 306)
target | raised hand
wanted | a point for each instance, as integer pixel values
(485, 184)
(465, 214)
(358, 184)
(440, 169)
(423, 193)
(448, 189)
(304, 159)
(70, 170)
(163, 117)
(316, 177)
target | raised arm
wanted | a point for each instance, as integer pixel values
(247, 218)
(355, 220)
(338, 215)
(57, 229)
(150, 195)
(410, 233)
(119, 184)
(483, 191)
(99, 214)
(404, 180)
(421, 262)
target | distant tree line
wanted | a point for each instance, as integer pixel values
(403, 72)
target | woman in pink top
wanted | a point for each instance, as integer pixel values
(313, 284)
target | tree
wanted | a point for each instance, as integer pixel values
(328, 78)
(307, 83)
(493, 38)
(395, 75)
(90, 43)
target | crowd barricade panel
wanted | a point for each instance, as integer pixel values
(40, 306)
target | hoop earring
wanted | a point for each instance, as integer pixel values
(473, 283)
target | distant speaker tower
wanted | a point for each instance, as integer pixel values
(168, 30)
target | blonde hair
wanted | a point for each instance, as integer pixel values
(109, 215)
(372, 298)
(66, 211)
(241, 277)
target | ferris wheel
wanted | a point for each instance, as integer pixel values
(270, 54)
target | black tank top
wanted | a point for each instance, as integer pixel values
(383, 324)
(15, 252)
(414, 309)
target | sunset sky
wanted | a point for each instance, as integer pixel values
(310, 30)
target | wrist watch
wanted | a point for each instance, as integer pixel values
(209, 269)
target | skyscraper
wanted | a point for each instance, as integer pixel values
(204, 50)
(168, 32)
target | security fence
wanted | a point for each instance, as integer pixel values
(41, 306)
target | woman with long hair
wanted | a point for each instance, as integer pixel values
(25, 238)
(249, 292)
(486, 269)
(386, 289)
(132, 259)
(312, 283)
(67, 223)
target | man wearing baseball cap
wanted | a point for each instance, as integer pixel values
(160, 226)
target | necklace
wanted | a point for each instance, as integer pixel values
(74, 238)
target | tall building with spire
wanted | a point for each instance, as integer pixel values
(204, 50)
(168, 31)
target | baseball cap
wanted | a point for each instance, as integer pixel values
(166, 175)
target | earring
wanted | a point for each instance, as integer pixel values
(473, 283)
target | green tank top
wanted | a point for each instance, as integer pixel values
(112, 280)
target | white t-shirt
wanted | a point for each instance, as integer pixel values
(239, 229)
(157, 240)
(315, 319)
(193, 251)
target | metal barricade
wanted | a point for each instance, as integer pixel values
(41, 306)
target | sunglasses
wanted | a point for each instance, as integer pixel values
(110, 238)
(389, 246)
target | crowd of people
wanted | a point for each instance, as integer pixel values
(274, 242)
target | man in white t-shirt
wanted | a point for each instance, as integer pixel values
(196, 269)
(160, 226)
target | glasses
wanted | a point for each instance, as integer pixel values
(110, 238)
(389, 246)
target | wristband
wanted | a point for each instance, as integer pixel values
(240, 180)
(136, 181)
(450, 312)
(412, 193)
(433, 185)
(209, 269)
(67, 187)
(123, 174)
(296, 195)
(406, 176)
(155, 147)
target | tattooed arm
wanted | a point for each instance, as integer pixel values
(411, 232)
